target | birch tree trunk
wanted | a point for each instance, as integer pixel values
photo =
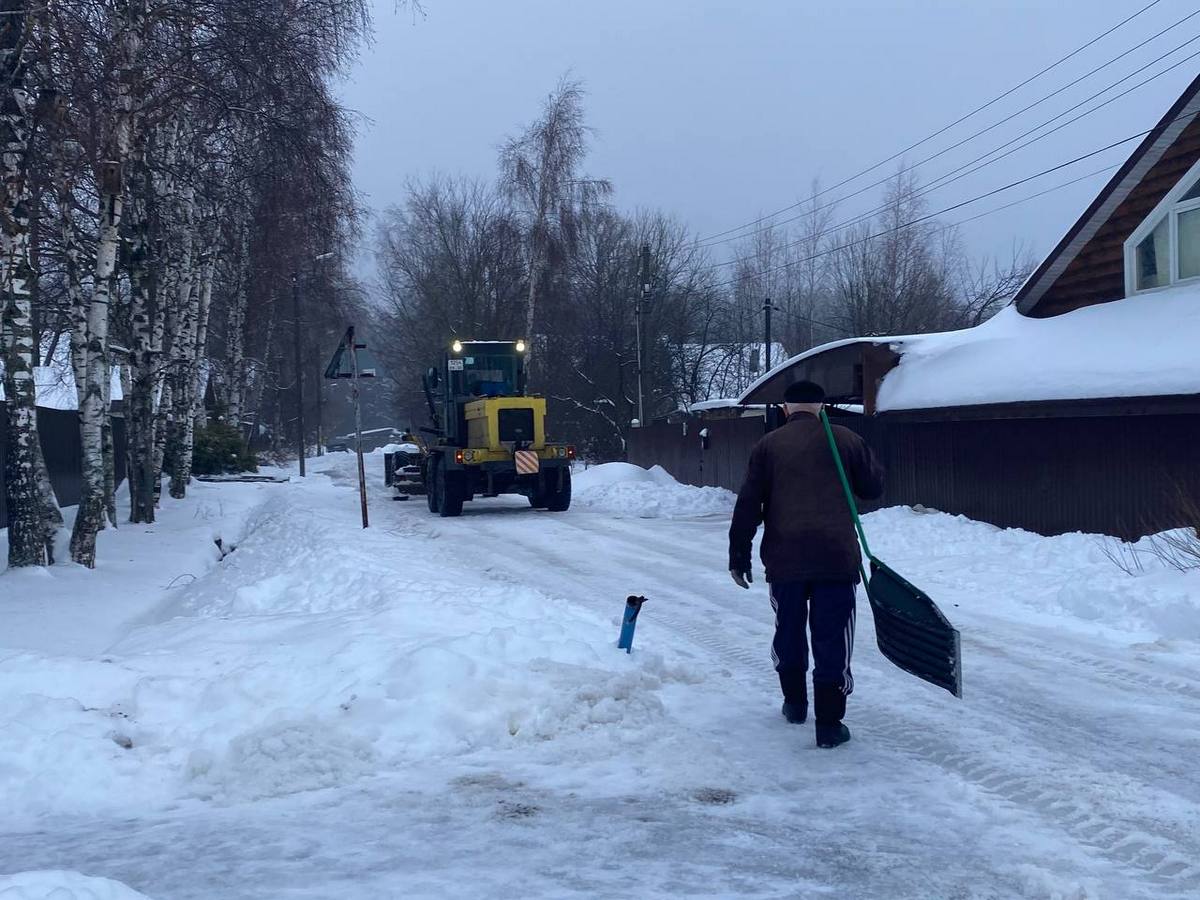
(106, 442)
(199, 418)
(178, 455)
(143, 360)
(235, 338)
(129, 22)
(65, 194)
(31, 507)
(260, 379)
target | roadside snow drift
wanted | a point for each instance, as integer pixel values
(1070, 579)
(622, 489)
(435, 708)
(313, 654)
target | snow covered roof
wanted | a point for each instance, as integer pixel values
(55, 387)
(725, 403)
(1140, 346)
(807, 354)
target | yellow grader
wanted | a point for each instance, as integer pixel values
(490, 434)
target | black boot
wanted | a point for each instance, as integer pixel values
(832, 735)
(831, 709)
(795, 695)
(795, 713)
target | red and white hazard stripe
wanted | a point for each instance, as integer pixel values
(527, 462)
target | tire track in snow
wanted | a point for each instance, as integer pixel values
(1047, 657)
(1144, 848)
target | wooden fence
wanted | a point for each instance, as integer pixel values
(1124, 475)
(59, 431)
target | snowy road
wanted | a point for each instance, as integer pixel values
(420, 749)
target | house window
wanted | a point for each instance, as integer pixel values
(1165, 248)
(1188, 224)
(1154, 258)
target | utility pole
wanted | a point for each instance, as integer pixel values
(638, 311)
(767, 356)
(299, 370)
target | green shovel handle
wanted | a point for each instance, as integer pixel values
(841, 469)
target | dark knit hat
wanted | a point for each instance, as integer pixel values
(804, 392)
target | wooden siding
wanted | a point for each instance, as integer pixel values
(1097, 273)
(1107, 474)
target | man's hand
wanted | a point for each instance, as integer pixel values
(742, 579)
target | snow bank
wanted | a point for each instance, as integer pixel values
(313, 654)
(623, 489)
(63, 885)
(1014, 573)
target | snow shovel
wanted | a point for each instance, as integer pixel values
(910, 629)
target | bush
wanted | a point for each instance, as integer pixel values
(1177, 549)
(220, 450)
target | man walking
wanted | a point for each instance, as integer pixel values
(810, 553)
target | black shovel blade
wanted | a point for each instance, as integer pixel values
(912, 632)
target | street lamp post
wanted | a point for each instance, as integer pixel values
(300, 448)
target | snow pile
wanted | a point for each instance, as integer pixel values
(1139, 346)
(400, 448)
(313, 654)
(623, 489)
(63, 885)
(1014, 572)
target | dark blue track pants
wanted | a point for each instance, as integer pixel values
(827, 608)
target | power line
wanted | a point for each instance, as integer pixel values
(932, 215)
(808, 320)
(946, 128)
(1107, 170)
(1058, 187)
(996, 125)
(946, 178)
(959, 173)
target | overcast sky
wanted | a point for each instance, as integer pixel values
(719, 111)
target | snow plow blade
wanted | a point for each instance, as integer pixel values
(912, 632)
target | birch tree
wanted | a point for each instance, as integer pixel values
(33, 514)
(540, 169)
(128, 26)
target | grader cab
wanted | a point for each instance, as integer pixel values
(490, 435)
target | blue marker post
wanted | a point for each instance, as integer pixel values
(633, 606)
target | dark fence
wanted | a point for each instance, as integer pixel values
(59, 431)
(1124, 475)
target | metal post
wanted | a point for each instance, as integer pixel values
(637, 318)
(299, 371)
(767, 356)
(362, 478)
(638, 312)
(320, 410)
